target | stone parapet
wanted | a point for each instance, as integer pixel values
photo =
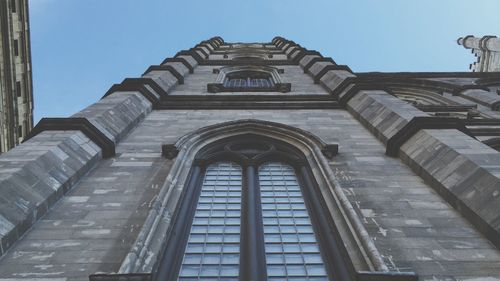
(463, 170)
(34, 175)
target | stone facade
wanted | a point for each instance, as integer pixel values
(486, 50)
(406, 165)
(16, 94)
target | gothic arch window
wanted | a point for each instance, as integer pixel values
(263, 155)
(252, 214)
(248, 79)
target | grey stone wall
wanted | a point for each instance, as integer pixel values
(410, 223)
(34, 175)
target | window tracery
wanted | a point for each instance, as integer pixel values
(256, 187)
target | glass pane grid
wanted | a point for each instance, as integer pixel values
(212, 251)
(292, 252)
(248, 82)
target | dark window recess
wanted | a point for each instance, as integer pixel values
(13, 6)
(19, 131)
(248, 79)
(18, 89)
(250, 211)
(16, 48)
(20, 43)
(25, 126)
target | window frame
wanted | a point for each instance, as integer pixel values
(278, 85)
(252, 257)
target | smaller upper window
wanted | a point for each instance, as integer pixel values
(248, 79)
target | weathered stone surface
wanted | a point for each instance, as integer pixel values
(37, 173)
(116, 114)
(465, 171)
(334, 78)
(383, 114)
(397, 208)
(164, 79)
(306, 59)
(486, 98)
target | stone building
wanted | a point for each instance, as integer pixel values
(261, 161)
(16, 95)
(486, 50)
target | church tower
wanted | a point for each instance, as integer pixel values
(261, 161)
(16, 95)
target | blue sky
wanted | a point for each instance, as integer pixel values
(81, 47)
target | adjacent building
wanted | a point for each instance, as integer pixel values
(16, 91)
(487, 51)
(261, 161)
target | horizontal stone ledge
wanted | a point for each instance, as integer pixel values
(315, 60)
(170, 68)
(360, 276)
(145, 91)
(181, 60)
(304, 52)
(121, 277)
(192, 53)
(278, 87)
(322, 71)
(419, 123)
(386, 276)
(75, 124)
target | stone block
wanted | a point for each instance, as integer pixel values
(382, 113)
(306, 59)
(117, 114)
(448, 160)
(333, 79)
(27, 194)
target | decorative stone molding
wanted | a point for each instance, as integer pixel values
(330, 150)
(169, 151)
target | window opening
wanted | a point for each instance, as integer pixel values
(290, 243)
(213, 246)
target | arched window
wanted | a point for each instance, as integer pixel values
(251, 213)
(248, 79)
(294, 222)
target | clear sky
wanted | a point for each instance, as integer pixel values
(80, 48)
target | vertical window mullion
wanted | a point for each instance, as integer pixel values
(252, 259)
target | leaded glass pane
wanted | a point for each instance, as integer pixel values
(212, 251)
(292, 252)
